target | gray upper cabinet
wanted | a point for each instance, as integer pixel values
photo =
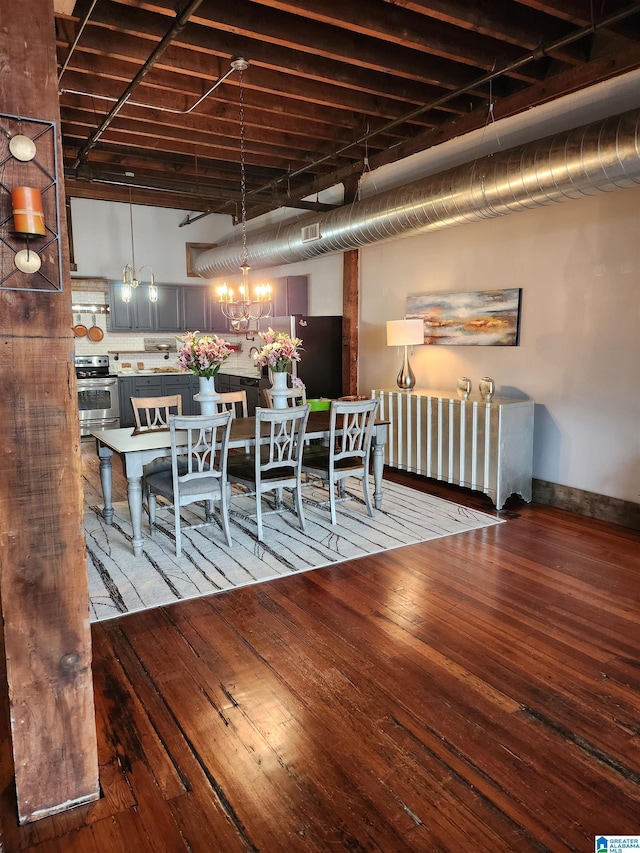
(290, 295)
(135, 316)
(179, 308)
(201, 310)
(168, 309)
(194, 308)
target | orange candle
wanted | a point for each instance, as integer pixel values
(28, 216)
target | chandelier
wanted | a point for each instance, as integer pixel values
(240, 307)
(129, 276)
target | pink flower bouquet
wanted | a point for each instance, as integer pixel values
(203, 355)
(278, 351)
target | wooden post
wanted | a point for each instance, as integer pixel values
(43, 570)
(350, 322)
(350, 304)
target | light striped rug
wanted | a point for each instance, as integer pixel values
(120, 583)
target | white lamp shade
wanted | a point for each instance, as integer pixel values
(402, 333)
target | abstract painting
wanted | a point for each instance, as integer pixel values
(479, 318)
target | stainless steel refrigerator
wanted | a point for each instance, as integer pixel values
(320, 367)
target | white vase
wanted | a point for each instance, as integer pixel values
(207, 397)
(279, 389)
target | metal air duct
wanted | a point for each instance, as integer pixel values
(597, 157)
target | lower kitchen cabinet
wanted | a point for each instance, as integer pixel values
(186, 388)
(187, 385)
(136, 386)
(153, 386)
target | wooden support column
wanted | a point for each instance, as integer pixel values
(43, 574)
(350, 322)
(350, 304)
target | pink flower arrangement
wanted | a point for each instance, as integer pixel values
(203, 355)
(278, 351)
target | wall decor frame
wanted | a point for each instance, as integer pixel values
(29, 158)
(475, 318)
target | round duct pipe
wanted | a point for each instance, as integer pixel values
(597, 157)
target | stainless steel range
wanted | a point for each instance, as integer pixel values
(98, 404)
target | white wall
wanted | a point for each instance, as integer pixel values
(578, 264)
(102, 239)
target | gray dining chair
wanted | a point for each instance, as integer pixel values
(151, 414)
(348, 451)
(205, 439)
(275, 464)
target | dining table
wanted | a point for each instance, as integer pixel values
(137, 450)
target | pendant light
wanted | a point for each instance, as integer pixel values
(129, 276)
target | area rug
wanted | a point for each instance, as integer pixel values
(120, 583)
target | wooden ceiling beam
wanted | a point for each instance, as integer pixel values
(277, 153)
(162, 90)
(152, 198)
(372, 68)
(224, 173)
(580, 13)
(446, 38)
(91, 58)
(288, 133)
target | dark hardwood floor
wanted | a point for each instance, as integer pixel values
(479, 692)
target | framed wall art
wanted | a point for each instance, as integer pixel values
(478, 318)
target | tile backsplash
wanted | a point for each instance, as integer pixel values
(130, 346)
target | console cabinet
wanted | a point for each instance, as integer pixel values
(487, 447)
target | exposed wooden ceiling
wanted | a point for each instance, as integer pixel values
(333, 87)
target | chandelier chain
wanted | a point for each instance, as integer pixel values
(133, 253)
(243, 180)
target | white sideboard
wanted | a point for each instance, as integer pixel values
(483, 446)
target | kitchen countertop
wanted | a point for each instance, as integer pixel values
(169, 372)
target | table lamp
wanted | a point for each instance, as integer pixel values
(405, 333)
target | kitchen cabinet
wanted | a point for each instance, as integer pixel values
(249, 384)
(136, 386)
(201, 310)
(179, 308)
(252, 387)
(185, 384)
(168, 310)
(290, 295)
(135, 316)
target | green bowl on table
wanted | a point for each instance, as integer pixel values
(319, 404)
